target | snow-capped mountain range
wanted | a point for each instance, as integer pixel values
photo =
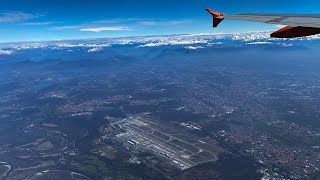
(186, 41)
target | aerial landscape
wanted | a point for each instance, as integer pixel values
(100, 110)
(149, 90)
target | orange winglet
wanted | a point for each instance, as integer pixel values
(217, 17)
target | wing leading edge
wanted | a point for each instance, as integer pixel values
(297, 25)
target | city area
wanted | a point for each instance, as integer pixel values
(153, 111)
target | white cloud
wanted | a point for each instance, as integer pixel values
(110, 28)
(13, 17)
(193, 47)
(38, 23)
(5, 52)
(259, 43)
(120, 24)
(250, 37)
(67, 45)
(59, 28)
(97, 49)
(119, 20)
(30, 46)
(164, 23)
(174, 42)
(148, 23)
(214, 43)
(285, 44)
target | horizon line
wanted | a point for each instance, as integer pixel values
(123, 37)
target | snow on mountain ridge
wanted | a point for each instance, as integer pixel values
(187, 40)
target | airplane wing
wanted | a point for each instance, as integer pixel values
(297, 25)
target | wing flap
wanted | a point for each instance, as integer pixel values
(292, 32)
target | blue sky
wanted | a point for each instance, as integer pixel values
(34, 20)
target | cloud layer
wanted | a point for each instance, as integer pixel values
(13, 17)
(109, 28)
(187, 42)
(121, 24)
